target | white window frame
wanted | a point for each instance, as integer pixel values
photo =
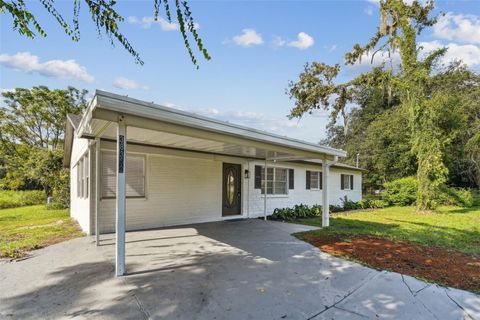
(86, 175)
(273, 181)
(83, 176)
(319, 180)
(79, 179)
(347, 186)
(129, 154)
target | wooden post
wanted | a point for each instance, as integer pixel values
(325, 200)
(121, 194)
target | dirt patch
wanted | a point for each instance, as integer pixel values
(56, 223)
(451, 268)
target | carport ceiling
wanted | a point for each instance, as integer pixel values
(170, 140)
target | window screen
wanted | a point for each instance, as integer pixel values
(277, 180)
(79, 180)
(346, 182)
(315, 181)
(135, 179)
(86, 174)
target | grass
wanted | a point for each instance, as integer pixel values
(13, 199)
(449, 227)
(28, 228)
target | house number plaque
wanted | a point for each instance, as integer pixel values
(121, 153)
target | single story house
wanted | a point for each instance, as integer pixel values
(138, 165)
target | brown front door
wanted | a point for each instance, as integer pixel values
(231, 190)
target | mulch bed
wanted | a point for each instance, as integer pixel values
(447, 267)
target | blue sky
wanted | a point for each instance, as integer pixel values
(256, 48)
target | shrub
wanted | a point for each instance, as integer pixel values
(13, 199)
(335, 208)
(61, 192)
(372, 204)
(401, 192)
(297, 212)
(303, 211)
(456, 197)
(348, 204)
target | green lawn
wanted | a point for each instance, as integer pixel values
(449, 227)
(27, 228)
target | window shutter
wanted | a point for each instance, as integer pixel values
(258, 177)
(351, 182)
(342, 186)
(320, 176)
(291, 179)
(308, 180)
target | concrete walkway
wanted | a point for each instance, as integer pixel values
(227, 270)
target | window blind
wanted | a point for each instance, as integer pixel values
(135, 179)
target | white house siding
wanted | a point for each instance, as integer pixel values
(300, 194)
(179, 190)
(79, 207)
(186, 187)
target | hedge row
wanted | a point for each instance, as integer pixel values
(13, 199)
(304, 211)
(403, 192)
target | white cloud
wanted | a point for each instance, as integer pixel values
(147, 22)
(366, 63)
(464, 28)
(278, 42)
(61, 69)
(5, 90)
(303, 41)
(127, 84)
(377, 2)
(331, 48)
(247, 118)
(468, 53)
(249, 37)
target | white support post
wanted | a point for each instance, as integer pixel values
(121, 193)
(97, 190)
(325, 200)
(265, 192)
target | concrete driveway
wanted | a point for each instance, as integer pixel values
(228, 270)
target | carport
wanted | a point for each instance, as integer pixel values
(129, 121)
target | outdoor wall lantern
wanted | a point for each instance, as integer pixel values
(247, 174)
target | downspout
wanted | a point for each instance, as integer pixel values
(97, 190)
(248, 188)
(265, 190)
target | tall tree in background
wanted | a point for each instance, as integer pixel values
(106, 18)
(400, 24)
(32, 126)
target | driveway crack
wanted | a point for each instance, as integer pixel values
(406, 284)
(458, 305)
(353, 312)
(141, 308)
(427, 286)
(414, 295)
(344, 297)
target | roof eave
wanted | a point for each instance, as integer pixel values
(123, 105)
